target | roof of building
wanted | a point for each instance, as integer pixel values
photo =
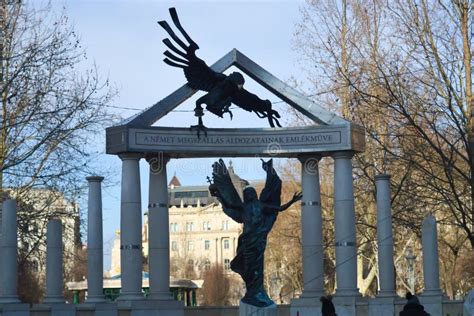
(174, 182)
(194, 195)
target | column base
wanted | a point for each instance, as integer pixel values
(433, 303)
(250, 310)
(347, 293)
(305, 306)
(63, 309)
(95, 299)
(346, 305)
(15, 309)
(56, 299)
(151, 308)
(382, 306)
(130, 297)
(106, 308)
(387, 294)
(432, 292)
(9, 299)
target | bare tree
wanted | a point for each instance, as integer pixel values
(216, 287)
(51, 110)
(402, 69)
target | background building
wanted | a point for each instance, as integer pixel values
(201, 234)
(35, 207)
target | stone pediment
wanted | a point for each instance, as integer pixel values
(330, 132)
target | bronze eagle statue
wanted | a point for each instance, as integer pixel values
(222, 90)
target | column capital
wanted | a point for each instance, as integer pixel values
(157, 162)
(382, 176)
(130, 156)
(157, 157)
(343, 155)
(94, 179)
(305, 157)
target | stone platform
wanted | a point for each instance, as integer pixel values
(250, 310)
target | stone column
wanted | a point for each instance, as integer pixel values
(95, 264)
(54, 263)
(158, 230)
(8, 254)
(344, 213)
(131, 228)
(429, 240)
(312, 230)
(384, 236)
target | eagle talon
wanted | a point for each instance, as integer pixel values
(199, 128)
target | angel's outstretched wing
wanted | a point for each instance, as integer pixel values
(250, 102)
(271, 193)
(199, 75)
(226, 192)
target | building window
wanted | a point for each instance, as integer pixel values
(206, 226)
(174, 227)
(225, 225)
(207, 265)
(174, 245)
(207, 244)
(189, 226)
(227, 264)
(226, 244)
(190, 245)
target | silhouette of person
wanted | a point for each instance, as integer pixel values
(327, 309)
(413, 307)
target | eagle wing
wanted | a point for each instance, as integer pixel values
(251, 102)
(199, 75)
(227, 194)
(271, 193)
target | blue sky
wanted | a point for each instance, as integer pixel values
(124, 40)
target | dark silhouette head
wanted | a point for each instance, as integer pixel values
(408, 295)
(237, 78)
(250, 194)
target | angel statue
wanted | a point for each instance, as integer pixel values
(258, 216)
(222, 89)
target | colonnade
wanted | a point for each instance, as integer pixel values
(345, 233)
(312, 227)
(131, 229)
(159, 255)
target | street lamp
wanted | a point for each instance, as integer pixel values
(410, 257)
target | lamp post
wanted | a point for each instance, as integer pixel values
(410, 257)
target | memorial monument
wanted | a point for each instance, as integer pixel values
(141, 136)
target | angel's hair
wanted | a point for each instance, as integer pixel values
(250, 193)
